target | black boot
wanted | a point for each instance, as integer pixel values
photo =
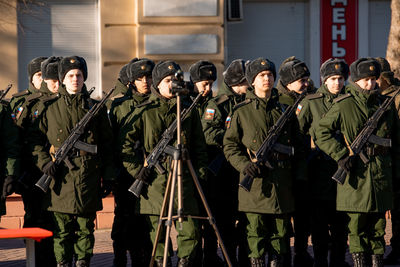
(359, 259)
(392, 258)
(275, 260)
(184, 262)
(257, 262)
(377, 260)
(63, 264)
(82, 263)
(303, 260)
(160, 260)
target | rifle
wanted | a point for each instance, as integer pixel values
(5, 91)
(270, 143)
(152, 160)
(365, 136)
(72, 142)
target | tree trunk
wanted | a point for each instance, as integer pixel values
(393, 48)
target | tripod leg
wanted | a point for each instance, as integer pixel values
(162, 213)
(207, 208)
(170, 210)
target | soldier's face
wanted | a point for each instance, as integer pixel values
(368, 83)
(52, 85)
(299, 86)
(143, 84)
(335, 84)
(165, 87)
(240, 88)
(73, 81)
(37, 79)
(264, 81)
(203, 87)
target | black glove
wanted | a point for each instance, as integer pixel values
(144, 175)
(252, 169)
(50, 169)
(8, 186)
(106, 188)
(346, 163)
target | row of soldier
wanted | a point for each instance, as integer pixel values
(221, 135)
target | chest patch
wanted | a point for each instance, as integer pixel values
(209, 115)
(228, 122)
(19, 112)
(35, 114)
(298, 110)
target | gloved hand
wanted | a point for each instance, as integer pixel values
(50, 169)
(144, 175)
(8, 186)
(346, 163)
(252, 169)
(106, 188)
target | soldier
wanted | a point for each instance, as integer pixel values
(155, 117)
(326, 223)
(222, 185)
(129, 229)
(294, 80)
(367, 191)
(270, 199)
(75, 194)
(389, 85)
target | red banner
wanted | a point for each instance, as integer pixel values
(339, 29)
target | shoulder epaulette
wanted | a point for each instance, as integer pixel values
(148, 101)
(221, 99)
(340, 98)
(48, 98)
(33, 97)
(241, 104)
(120, 95)
(22, 93)
(314, 96)
(120, 98)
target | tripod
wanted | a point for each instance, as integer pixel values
(180, 154)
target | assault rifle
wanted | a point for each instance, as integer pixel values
(366, 136)
(5, 91)
(270, 143)
(72, 141)
(152, 160)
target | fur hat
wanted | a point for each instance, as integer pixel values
(70, 63)
(385, 66)
(139, 68)
(34, 66)
(292, 69)
(123, 74)
(334, 66)
(49, 68)
(235, 73)
(258, 65)
(363, 68)
(163, 69)
(203, 71)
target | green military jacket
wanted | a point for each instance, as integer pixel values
(320, 166)
(368, 187)
(152, 120)
(286, 97)
(217, 115)
(19, 99)
(10, 149)
(77, 190)
(273, 192)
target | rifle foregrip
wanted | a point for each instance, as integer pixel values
(246, 183)
(340, 175)
(44, 182)
(136, 187)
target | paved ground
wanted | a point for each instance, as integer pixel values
(12, 252)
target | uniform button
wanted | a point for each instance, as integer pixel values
(58, 139)
(89, 131)
(60, 130)
(288, 141)
(285, 132)
(254, 141)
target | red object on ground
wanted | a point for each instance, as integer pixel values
(34, 233)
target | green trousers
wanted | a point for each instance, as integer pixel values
(266, 233)
(73, 234)
(188, 237)
(366, 232)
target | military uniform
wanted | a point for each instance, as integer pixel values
(367, 191)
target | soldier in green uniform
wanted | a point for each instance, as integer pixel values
(270, 200)
(129, 229)
(294, 80)
(75, 194)
(154, 118)
(367, 191)
(222, 185)
(389, 85)
(327, 225)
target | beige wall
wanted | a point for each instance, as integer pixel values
(9, 47)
